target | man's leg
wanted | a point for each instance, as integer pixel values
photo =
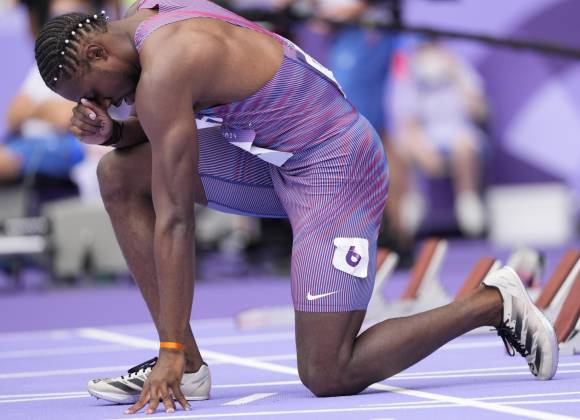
(335, 225)
(125, 183)
(337, 362)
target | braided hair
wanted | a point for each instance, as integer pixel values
(57, 45)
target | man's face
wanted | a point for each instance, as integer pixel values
(107, 82)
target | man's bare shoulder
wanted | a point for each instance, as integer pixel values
(175, 48)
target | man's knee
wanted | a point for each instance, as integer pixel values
(110, 175)
(120, 175)
(327, 379)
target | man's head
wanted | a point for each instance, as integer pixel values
(79, 58)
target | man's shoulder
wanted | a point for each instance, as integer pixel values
(182, 47)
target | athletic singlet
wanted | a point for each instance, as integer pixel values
(300, 107)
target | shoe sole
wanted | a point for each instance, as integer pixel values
(118, 399)
(545, 322)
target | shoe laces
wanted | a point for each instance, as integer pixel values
(140, 368)
(511, 341)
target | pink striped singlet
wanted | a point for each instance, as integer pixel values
(296, 148)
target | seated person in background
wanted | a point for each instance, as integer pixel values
(437, 102)
(40, 142)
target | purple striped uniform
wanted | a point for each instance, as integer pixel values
(295, 149)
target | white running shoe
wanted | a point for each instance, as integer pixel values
(127, 388)
(524, 326)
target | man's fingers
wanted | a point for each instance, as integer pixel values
(98, 110)
(81, 125)
(139, 404)
(85, 114)
(96, 125)
(178, 395)
(80, 134)
(153, 400)
(167, 399)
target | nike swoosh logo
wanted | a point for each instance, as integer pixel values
(314, 297)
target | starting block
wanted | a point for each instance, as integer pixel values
(419, 290)
(424, 289)
(481, 269)
(567, 324)
(558, 286)
(560, 301)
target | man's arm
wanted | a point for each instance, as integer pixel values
(170, 84)
(173, 141)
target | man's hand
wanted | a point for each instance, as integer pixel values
(163, 384)
(91, 123)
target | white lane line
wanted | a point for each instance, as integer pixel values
(472, 375)
(286, 412)
(248, 338)
(492, 369)
(273, 358)
(256, 384)
(500, 397)
(472, 345)
(64, 397)
(467, 402)
(429, 405)
(523, 412)
(250, 398)
(61, 334)
(118, 338)
(62, 372)
(112, 337)
(196, 325)
(49, 394)
(547, 394)
(534, 402)
(19, 354)
(65, 333)
(210, 359)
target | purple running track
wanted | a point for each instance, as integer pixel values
(84, 334)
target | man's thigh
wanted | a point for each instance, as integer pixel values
(234, 180)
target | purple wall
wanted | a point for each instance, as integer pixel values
(535, 99)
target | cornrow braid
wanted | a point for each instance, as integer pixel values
(57, 44)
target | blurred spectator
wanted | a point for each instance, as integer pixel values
(40, 142)
(360, 56)
(37, 118)
(438, 106)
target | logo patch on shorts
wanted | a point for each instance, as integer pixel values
(351, 256)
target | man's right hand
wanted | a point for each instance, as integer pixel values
(91, 123)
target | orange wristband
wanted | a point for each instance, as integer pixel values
(171, 345)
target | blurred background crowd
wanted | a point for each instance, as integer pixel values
(483, 141)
